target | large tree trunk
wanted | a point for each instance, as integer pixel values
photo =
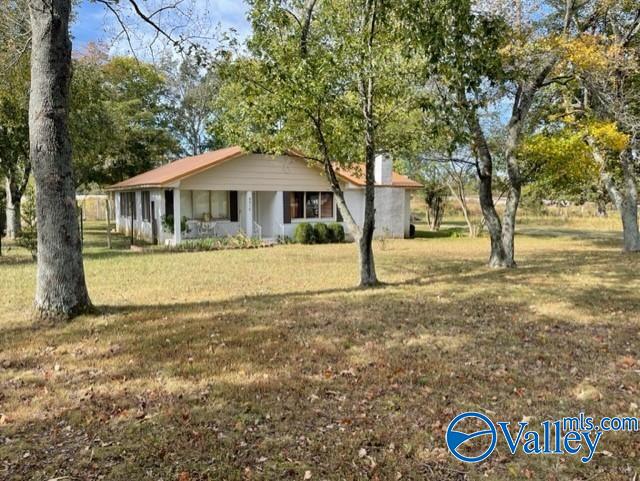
(629, 210)
(498, 257)
(629, 214)
(626, 201)
(13, 210)
(514, 192)
(368, 275)
(61, 291)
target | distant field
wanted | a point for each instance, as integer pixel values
(269, 365)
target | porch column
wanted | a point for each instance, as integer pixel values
(248, 212)
(116, 210)
(177, 217)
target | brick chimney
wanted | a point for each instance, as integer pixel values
(384, 169)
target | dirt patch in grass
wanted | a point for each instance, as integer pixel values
(269, 365)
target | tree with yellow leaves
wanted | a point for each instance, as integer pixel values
(602, 102)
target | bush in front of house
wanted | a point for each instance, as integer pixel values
(336, 232)
(304, 234)
(322, 233)
(239, 241)
(167, 224)
(319, 233)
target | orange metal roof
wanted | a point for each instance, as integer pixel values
(356, 176)
(189, 166)
(179, 169)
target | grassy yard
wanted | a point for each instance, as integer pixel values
(268, 365)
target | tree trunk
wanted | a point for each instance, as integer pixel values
(514, 193)
(61, 291)
(626, 201)
(629, 214)
(368, 275)
(434, 199)
(629, 209)
(459, 192)
(498, 258)
(13, 203)
(509, 226)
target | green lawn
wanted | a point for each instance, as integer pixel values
(268, 364)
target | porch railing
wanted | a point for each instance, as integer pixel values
(257, 230)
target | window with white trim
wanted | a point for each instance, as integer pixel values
(311, 205)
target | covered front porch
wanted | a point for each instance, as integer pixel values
(201, 214)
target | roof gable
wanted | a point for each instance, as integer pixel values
(190, 166)
(179, 169)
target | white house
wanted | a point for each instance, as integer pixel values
(230, 191)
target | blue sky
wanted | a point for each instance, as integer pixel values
(94, 23)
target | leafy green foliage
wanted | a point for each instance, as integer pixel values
(192, 93)
(239, 241)
(336, 233)
(119, 120)
(14, 125)
(300, 88)
(168, 224)
(319, 233)
(304, 234)
(322, 233)
(560, 164)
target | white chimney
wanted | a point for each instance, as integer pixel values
(384, 169)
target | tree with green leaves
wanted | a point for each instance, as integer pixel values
(61, 291)
(326, 79)
(192, 92)
(15, 167)
(483, 59)
(592, 123)
(14, 140)
(120, 119)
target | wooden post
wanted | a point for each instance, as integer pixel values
(108, 223)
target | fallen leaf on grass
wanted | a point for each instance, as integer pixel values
(626, 362)
(586, 392)
(184, 476)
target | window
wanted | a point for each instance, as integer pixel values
(310, 205)
(326, 203)
(201, 205)
(127, 204)
(296, 205)
(219, 205)
(146, 206)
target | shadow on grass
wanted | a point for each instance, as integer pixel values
(451, 232)
(280, 384)
(271, 386)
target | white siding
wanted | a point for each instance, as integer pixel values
(407, 213)
(142, 230)
(260, 173)
(390, 212)
(266, 178)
